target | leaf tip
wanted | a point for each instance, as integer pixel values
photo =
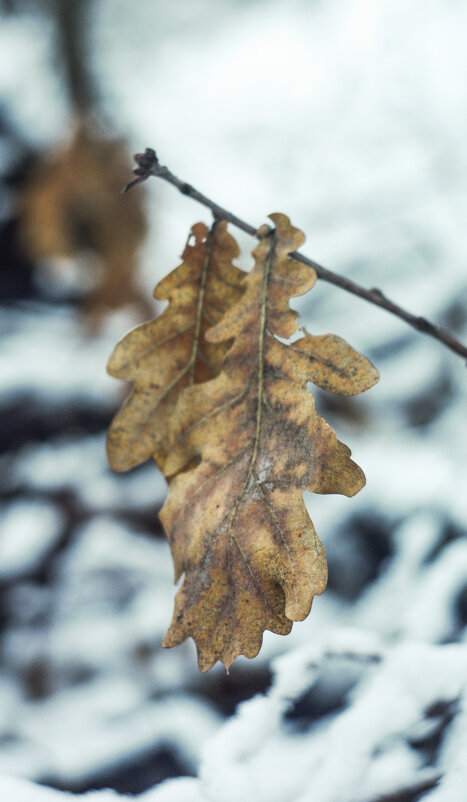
(357, 481)
(293, 238)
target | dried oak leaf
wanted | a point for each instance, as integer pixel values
(169, 353)
(237, 524)
(72, 206)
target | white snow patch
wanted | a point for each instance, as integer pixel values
(28, 530)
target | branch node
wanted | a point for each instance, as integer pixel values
(217, 215)
(424, 324)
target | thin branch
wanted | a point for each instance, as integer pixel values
(148, 164)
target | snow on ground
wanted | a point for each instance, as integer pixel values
(28, 531)
(366, 747)
(350, 117)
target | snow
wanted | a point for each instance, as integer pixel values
(364, 747)
(98, 723)
(25, 45)
(422, 593)
(80, 463)
(22, 791)
(184, 790)
(452, 784)
(27, 533)
(349, 116)
(50, 356)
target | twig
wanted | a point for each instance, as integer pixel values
(148, 164)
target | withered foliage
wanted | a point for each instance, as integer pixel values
(72, 207)
(241, 449)
(170, 353)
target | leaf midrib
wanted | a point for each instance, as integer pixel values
(200, 303)
(259, 398)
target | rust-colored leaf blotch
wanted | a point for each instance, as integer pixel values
(170, 353)
(236, 521)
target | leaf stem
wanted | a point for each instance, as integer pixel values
(148, 165)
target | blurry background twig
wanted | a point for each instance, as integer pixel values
(72, 23)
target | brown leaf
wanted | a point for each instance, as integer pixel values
(334, 365)
(237, 524)
(72, 206)
(169, 353)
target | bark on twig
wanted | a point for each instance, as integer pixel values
(148, 165)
